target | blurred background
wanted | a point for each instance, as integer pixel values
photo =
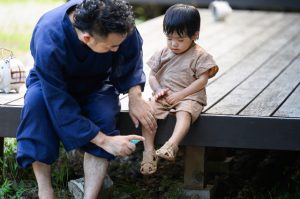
(18, 17)
(273, 169)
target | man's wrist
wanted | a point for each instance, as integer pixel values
(99, 139)
(135, 91)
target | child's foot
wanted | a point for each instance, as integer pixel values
(168, 151)
(149, 163)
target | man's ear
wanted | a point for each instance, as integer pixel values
(86, 38)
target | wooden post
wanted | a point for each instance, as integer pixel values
(194, 172)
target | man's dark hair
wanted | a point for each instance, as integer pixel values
(183, 19)
(102, 17)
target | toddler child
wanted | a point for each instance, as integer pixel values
(179, 74)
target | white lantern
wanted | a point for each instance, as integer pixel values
(12, 72)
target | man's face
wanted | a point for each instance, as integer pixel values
(103, 45)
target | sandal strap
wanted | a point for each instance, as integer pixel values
(149, 162)
(148, 156)
(168, 150)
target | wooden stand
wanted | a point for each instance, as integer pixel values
(194, 174)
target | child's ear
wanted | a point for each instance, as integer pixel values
(195, 36)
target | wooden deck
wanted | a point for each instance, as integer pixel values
(254, 100)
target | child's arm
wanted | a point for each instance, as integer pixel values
(156, 87)
(154, 84)
(159, 92)
(196, 86)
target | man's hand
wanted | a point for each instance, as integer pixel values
(117, 145)
(140, 111)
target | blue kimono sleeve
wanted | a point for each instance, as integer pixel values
(128, 70)
(73, 129)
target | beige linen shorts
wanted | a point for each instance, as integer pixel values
(190, 106)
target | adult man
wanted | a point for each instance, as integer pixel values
(85, 53)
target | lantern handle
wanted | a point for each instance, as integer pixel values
(4, 51)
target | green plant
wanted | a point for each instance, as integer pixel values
(25, 188)
(10, 168)
(60, 175)
(61, 170)
(10, 145)
(6, 189)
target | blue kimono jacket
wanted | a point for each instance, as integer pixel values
(68, 69)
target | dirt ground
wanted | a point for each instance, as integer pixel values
(250, 174)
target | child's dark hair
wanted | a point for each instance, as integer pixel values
(183, 19)
(102, 17)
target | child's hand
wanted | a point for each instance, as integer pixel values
(174, 98)
(163, 101)
(161, 93)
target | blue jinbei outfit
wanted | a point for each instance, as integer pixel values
(72, 92)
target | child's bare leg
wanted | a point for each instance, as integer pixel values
(183, 123)
(42, 173)
(149, 162)
(149, 139)
(169, 149)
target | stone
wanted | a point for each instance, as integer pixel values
(206, 193)
(76, 187)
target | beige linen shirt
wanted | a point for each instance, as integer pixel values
(177, 72)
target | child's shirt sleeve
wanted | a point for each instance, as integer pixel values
(205, 62)
(155, 61)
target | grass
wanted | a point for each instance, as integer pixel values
(17, 24)
(18, 42)
(16, 182)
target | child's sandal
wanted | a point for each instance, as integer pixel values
(149, 163)
(168, 151)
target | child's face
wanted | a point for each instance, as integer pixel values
(179, 44)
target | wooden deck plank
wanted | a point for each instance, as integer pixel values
(238, 132)
(212, 30)
(237, 99)
(16, 102)
(240, 37)
(228, 30)
(238, 54)
(12, 96)
(225, 84)
(291, 107)
(275, 94)
(264, 39)
(7, 98)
